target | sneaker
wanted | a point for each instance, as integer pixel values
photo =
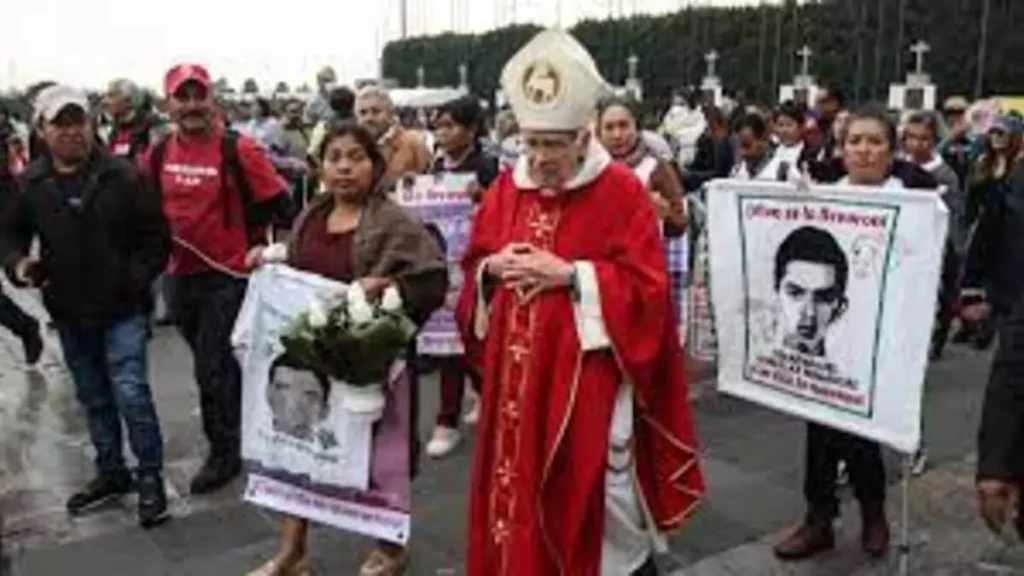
(32, 342)
(473, 415)
(152, 501)
(104, 488)
(216, 473)
(920, 463)
(443, 441)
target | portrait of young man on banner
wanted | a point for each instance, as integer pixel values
(299, 402)
(811, 273)
(814, 294)
(301, 430)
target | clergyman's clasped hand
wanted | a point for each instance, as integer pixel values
(529, 270)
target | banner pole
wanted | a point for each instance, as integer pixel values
(904, 546)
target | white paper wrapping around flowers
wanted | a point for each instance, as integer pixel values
(854, 358)
(337, 452)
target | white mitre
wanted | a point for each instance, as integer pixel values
(553, 83)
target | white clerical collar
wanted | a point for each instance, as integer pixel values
(595, 163)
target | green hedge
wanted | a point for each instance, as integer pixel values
(856, 43)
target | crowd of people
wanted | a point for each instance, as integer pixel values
(158, 215)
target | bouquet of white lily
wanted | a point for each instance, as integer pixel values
(353, 342)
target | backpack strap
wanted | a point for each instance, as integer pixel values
(156, 164)
(233, 176)
(139, 138)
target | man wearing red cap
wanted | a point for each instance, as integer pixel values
(220, 193)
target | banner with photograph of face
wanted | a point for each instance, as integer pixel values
(824, 301)
(442, 201)
(306, 454)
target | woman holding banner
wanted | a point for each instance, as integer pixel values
(868, 150)
(354, 233)
(459, 128)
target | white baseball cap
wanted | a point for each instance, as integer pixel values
(51, 101)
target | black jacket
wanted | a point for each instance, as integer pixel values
(100, 252)
(995, 253)
(713, 158)
(1001, 435)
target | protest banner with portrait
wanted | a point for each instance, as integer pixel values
(307, 455)
(442, 201)
(824, 301)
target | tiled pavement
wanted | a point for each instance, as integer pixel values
(752, 459)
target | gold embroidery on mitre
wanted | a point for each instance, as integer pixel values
(542, 84)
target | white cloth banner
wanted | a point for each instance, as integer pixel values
(824, 301)
(287, 422)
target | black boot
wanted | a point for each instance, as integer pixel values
(103, 489)
(216, 472)
(152, 500)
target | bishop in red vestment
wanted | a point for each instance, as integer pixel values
(586, 453)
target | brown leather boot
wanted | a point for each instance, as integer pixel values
(874, 535)
(809, 539)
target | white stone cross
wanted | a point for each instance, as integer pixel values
(805, 54)
(632, 62)
(919, 49)
(711, 58)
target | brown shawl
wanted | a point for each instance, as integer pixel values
(665, 183)
(391, 243)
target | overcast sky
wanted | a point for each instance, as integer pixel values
(89, 43)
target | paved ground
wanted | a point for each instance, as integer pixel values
(752, 458)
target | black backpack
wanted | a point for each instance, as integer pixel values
(139, 138)
(230, 172)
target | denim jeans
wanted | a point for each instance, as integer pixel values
(110, 371)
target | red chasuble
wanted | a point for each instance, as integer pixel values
(537, 496)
